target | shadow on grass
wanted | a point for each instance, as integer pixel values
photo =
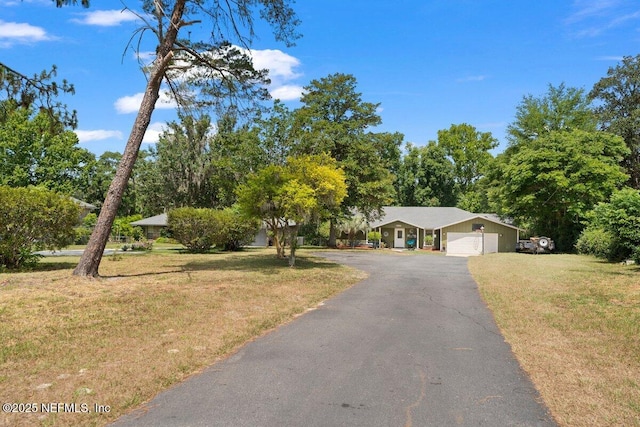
(264, 263)
(154, 273)
(43, 266)
(601, 264)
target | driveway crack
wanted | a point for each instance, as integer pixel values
(462, 314)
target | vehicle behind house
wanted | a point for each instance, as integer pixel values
(536, 245)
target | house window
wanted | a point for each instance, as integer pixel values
(477, 227)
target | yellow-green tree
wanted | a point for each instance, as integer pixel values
(287, 196)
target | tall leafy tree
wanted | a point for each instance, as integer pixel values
(183, 159)
(618, 110)
(335, 120)
(426, 177)
(201, 74)
(552, 182)
(563, 118)
(236, 152)
(97, 177)
(276, 134)
(469, 150)
(561, 108)
(36, 149)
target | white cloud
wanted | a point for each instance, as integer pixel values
(471, 79)
(287, 92)
(152, 135)
(610, 58)
(282, 72)
(585, 9)
(281, 66)
(106, 18)
(131, 104)
(592, 18)
(15, 32)
(97, 135)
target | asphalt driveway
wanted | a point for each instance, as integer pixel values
(412, 345)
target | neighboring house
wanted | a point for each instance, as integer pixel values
(455, 231)
(152, 226)
(87, 208)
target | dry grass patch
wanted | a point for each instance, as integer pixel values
(574, 324)
(149, 322)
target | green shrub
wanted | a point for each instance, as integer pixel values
(235, 230)
(194, 228)
(200, 229)
(82, 235)
(34, 219)
(620, 219)
(142, 246)
(374, 236)
(163, 239)
(122, 229)
(596, 242)
(428, 240)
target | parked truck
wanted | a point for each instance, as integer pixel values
(536, 245)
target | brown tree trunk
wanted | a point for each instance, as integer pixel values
(293, 245)
(333, 234)
(90, 260)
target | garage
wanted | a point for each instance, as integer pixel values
(471, 244)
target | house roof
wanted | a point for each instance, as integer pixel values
(161, 221)
(429, 218)
(158, 220)
(83, 204)
(424, 217)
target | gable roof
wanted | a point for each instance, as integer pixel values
(424, 217)
(83, 204)
(430, 218)
(489, 217)
(158, 220)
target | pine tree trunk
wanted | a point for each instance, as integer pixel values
(90, 260)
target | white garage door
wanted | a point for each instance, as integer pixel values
(469, 244)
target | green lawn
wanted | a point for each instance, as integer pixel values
(574, 324)
(151, 320)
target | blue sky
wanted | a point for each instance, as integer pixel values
(429, 63)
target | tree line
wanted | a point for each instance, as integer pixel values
(568, 150)
(563, 157)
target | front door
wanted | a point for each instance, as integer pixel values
(399, 239)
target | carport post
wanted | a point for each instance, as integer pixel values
(482, 231)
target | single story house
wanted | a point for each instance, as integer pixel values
(85, 208)
(452, 230)
(152, 226)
